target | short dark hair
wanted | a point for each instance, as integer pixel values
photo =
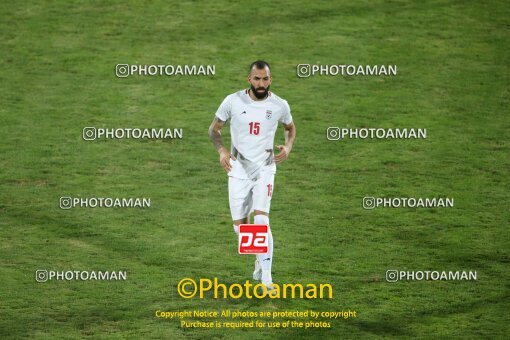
(259, 65)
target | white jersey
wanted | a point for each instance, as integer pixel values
(252, 129)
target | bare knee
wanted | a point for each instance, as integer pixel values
(258, 212)
(245, 220)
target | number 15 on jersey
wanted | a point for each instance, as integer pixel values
(254, 128)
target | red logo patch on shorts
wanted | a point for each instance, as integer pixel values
(253, 238)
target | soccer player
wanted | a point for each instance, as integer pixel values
(254, 114)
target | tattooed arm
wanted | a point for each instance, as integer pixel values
(290, 136)
(215, 137)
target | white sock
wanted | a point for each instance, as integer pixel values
(265, 260)
(236, 229)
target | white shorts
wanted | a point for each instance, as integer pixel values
(247, 195)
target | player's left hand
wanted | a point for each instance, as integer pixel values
(283, 154)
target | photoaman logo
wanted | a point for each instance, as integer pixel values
(188, 288)
(253, 238)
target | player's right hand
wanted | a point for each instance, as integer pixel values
(225, 157)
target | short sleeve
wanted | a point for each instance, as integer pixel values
(225, 109)
(286, 117)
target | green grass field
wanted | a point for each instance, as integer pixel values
(58, 59)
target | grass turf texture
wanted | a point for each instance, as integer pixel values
(57, 60)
